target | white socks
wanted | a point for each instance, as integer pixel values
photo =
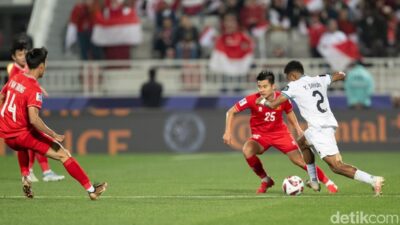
(91, 189)
(364, 177)
(312, 172)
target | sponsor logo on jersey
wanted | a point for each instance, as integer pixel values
(39, 97)
(243, 102)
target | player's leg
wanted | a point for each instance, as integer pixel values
(48, 174)
(44, 145)
(57, 152)
(250, 150)
(285, 143)
(23, 162)
(32, 176)
(297, 159)
(338, 166)
(324, 142)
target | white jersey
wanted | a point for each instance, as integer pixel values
(310, 95)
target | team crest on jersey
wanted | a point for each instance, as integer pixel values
(243, 102)
(39, 97)
(256, 136)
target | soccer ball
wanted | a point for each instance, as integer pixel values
(293, 185)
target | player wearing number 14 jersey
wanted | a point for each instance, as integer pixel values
(268, 129)
(23, 129)
(18, 50)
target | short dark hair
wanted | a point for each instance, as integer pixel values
(18, 44)
(266, 75)
(294, 66)
(35, 57)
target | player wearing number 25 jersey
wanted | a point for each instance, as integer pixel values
(268, 129)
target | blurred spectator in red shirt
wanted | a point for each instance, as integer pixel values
(345, 24)
(81, 23)
(252, 14)
(315, 30)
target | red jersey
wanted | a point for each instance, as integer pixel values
(20, 93)
(16, 69)
(263, 119)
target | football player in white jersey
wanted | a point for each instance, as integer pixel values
(310, 94)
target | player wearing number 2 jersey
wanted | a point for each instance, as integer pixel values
(310, 94)
(268, 129)
(23, 129)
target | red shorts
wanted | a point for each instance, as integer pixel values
(31, 140)
(284, 142)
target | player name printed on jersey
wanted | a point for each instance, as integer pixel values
(17, 86)
(310, 94)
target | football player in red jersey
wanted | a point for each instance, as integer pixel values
(23, 129)
(18, 50)
(268, 129)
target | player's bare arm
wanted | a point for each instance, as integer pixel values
(38, 123)
(272, 104)
(230, 114)
(2, 99)
(292, 120)
(336, 76)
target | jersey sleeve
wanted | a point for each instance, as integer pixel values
(289, 91)
(287, 106)
(326, 79)
(243, 104)
(35, 98)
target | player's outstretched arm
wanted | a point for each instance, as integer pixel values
(292, 119)
(230, 114)
(273, 104)
(38, 123)
(336, 76)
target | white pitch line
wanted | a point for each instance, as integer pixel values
(202, 196)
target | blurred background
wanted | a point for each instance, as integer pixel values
(128, 76)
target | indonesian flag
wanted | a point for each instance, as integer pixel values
(232, 55)
(207, 37)
(259, 30)
(123, 28)
(314, 5)
(338, 50)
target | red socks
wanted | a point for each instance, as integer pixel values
(31, 158)
(23, 161)
(76, 171)
(321, 175)
(43, 162)
(255, 163)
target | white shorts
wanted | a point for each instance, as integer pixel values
(323, 139)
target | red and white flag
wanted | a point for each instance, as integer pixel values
(260, 29)
(232, 54)
(207, 37)
(314, 5)
(338, 50)
(123, 28)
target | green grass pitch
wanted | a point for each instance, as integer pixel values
(193, 189)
